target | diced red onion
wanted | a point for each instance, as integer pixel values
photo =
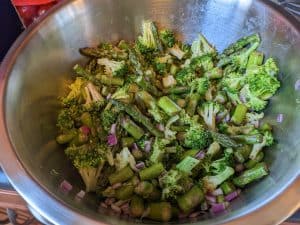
(182, 215)
(279, 118)
(112, 140)
(232, 195)
(80, 194)
(116, 186)
(115, 208)
(113, 128)
(227, 118)
(102, 204)
(125, 206)
(243, 99)
(65, 186)
(200, 155)
(220, 207)
(120, 203)
(109, 201)
(108, 96)
(210, 198)
(194, 214)
(204, 206)
(147, 147)
(85, 129)
(135, 147)
(217, 192)
(256, 124)
(297, 85)
(160, 127)
(140, 165)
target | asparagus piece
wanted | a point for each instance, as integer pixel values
(66, 138)
(255, 59)
(127, 141)
(137, 206)
(170, 107)
(120, 176)
(192, 104)
(248, 139)
(160, 211)
(252, 162)
(110, 80)
(250, 175)
(144, 189)
(151, 172)
(132, 128)
(191, 199)
(224, 140)
(227, 187)
(124, 192)
(139, 117)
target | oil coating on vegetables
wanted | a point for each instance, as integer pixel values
(167, 128)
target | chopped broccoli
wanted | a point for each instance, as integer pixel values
(169, 134)
(108, 117)
(251, 100)
(174, 183)
(89, 160)
(158, 150)
(167, 38)
(233, 82)
(202, 63)
(149, 41)
(75, 91)
(162, 64)
(200, 85)
(212, 182)
(209, 111)
(185, 76)
(65, 120)
(254, 118)
(122, 94)
(201, 47)
(268, 140)
(220, 165)
(124, 158)
(187, 164)
(114, 68)
(177, 52)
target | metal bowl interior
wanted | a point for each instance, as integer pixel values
(39, 67)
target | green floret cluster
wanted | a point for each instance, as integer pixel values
(162, 125)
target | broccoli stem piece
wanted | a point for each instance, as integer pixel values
(250, 175)
(227, 187)
(212, 182)
(109, 80)
(132, 128)
(148, 86)
(144, 189)
(192, 104)
(239, 114)
(248, 139)
(151, 172)
(168, 106)
(187, 164)
(255, 59)
(135, 61)
(252, 162)
(120, 176)
(160, 211)
(213, 149)
(191, 199)
(137, 206)
(124, 192)
(139, 117)
(90, 176)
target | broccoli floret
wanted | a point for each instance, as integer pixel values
(197, 137)
(174, 183)
(233, 82)
(220, 165)
(93, 99)
(271, 67)
(108, 117)
(252, 101)
(210, 183)
(209, 111)
(158, 150)
(268, 140)
(161, 64)
(65, 120)
(89, 160)
(200, 85)
(203, 63)
(262, 85)
(201, 47)
(185, 76)
(254, 118)
(177, 52)
(233, 130)
(75, 91)
(167, 38)
(114, 68)
(149, 41)
(122, 94)
(169, 134)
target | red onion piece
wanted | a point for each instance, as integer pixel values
(232, 195)
(116, 186)
(108, 96)
(200, 155)
(140, 165)
(85, 129)
(220, 207)
(239, 167)
(194, 214)
(279, 118)
(297, 85)
(227, 118)
(65, 186)
(112, 140)
(115, 208)
(113, 128)
(80, 194)
(210, 198)
(147, 147)
(102, 204)
(135, 147)
(204, 206)
(160, 127)
(217, 192)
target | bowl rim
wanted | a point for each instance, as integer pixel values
(56, 209)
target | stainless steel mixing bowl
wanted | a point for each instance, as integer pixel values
(39, 65)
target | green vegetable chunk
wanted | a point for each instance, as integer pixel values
(121, 175)
(151, 172)
(191, 199)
